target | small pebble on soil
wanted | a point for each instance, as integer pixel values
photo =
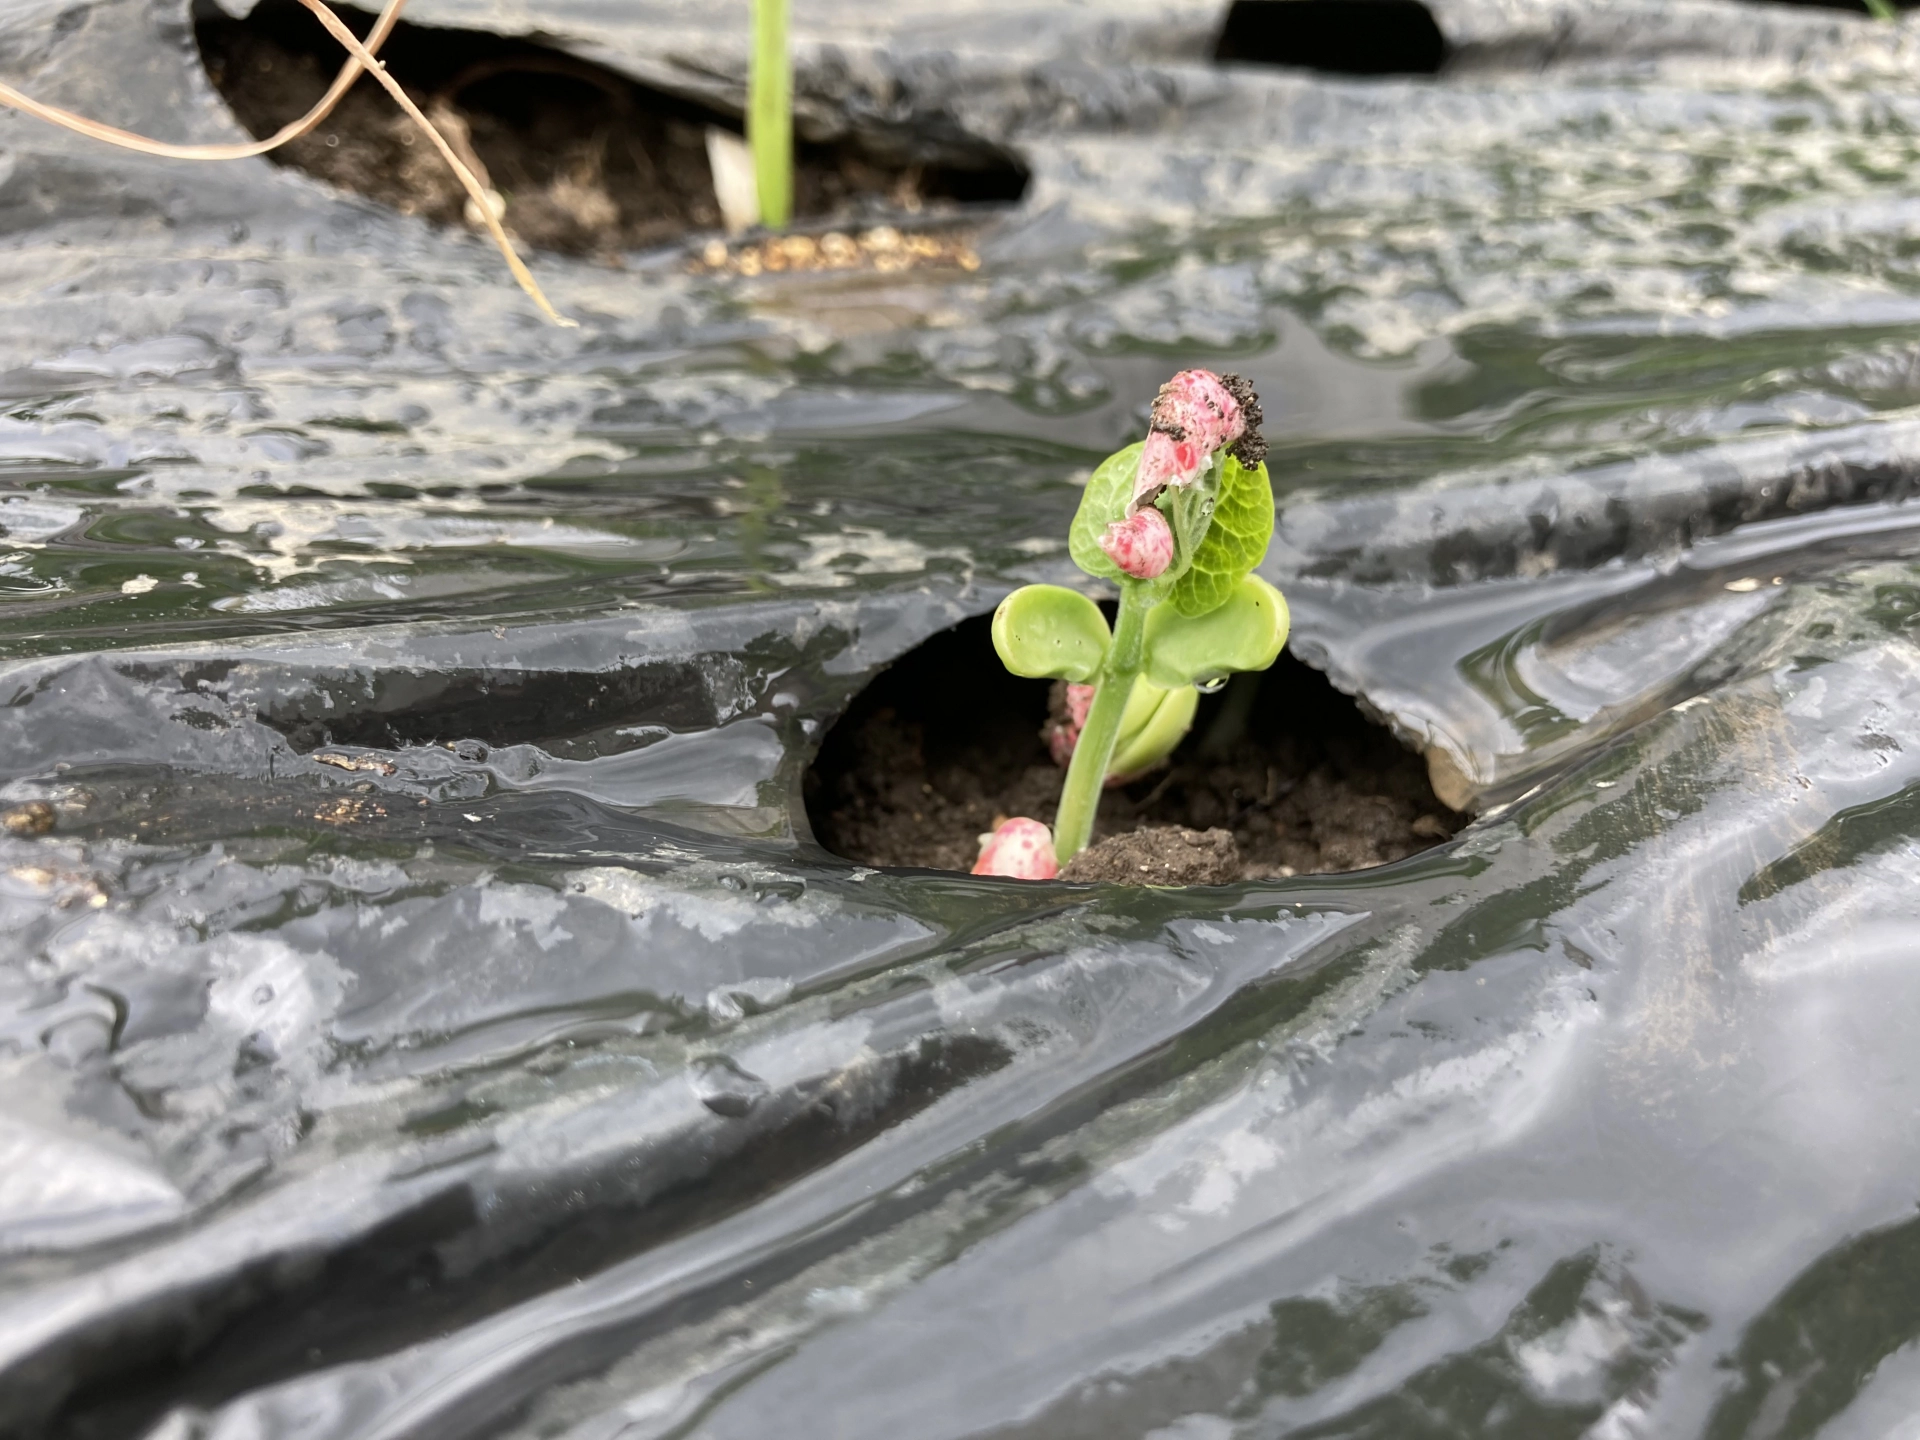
(882, 248)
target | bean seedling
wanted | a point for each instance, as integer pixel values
(1178, 522)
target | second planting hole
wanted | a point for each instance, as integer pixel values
(944, 742)
(1338, 37)
(587, 161)
(1857, 7)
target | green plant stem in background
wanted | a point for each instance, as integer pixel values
(770, 113)
(1882, 10)
(1229, 727)
(1093, 754)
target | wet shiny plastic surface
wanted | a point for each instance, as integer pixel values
(429, 1017)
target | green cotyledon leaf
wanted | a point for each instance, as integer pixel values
(1234, 543)
(1246, 633)
(1101, 503)
(1050, 632)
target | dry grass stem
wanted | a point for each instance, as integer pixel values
(360, 57)
(127, 140)
(474, 188)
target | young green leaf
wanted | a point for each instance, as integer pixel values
(1190, 512)
(1234, 543)
(1048, 632)
(1101, 503)
(1246, 633)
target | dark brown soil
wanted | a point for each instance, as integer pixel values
(1159, 855)
(587, 161)
(945, 743)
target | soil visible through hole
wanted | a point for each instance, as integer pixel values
(945, 743)
(587, 161)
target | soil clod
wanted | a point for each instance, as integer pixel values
(1159, 855)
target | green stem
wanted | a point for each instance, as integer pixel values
(1882, 10)
(1093, 753)
(770, 113)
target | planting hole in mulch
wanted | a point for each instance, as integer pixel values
(1337, 37)
(945, 742)
(1858, 7)
(587, 161)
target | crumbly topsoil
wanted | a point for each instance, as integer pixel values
(945, 744)
(587, 161)
(1159, 855)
